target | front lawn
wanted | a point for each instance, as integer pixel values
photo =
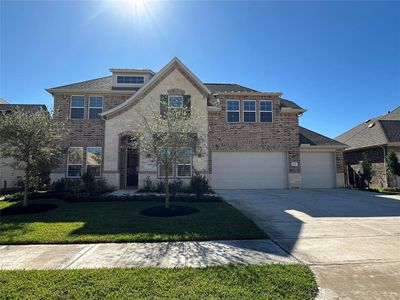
(293, 281)
(120, 221)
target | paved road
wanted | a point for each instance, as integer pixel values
(168, 254)
(351, 239)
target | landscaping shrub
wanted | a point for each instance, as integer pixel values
(59, 186)
(199, 184)
(89, 182)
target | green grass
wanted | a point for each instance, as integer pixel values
(292, 281)
(120, 221)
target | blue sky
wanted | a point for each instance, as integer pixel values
(339, 60)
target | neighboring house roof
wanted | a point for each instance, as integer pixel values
(27, 108)
(312, 138)
(378, 131)
(103, 84)
(3, 101)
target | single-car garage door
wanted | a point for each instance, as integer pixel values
(249, 170)
(317, 170)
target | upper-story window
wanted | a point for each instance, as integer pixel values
(95, 107)
(130, 79)
(175, 101)
(266, 111)
(249, 111)
(233, 111)
(77, 107)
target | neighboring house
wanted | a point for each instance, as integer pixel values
(10, 177)
(374, 138)
(251, 139)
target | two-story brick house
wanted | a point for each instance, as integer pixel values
(250, 139)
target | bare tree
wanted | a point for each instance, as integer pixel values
(170, 139)
(33, 140)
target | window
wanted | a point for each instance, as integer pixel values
(233, 111)
(93, 160)
(266, 111)
(175, 101)
(77, 107)
(130, 79)
(74, 162)
(184, 166)
(249, 111)
(95, 107)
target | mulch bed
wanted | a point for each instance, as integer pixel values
(172, 211)
(30, 209)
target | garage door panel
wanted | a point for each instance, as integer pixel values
(249, 170)
(317, 170)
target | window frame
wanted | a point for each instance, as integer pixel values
(132, 76)
(172, 107)
(87, 164)
(68, 164)
(89, 107)
(228, 111)
(185, 164)
(266, 111)
(250, 111)
(71, 107)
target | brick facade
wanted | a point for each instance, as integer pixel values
(82, 132)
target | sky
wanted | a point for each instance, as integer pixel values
(339, 60)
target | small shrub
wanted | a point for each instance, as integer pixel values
(73, 185)
(59, 186)
(89, 182)
(149, 185)
(175, 187)
(102, 186)
(160, 187)
(199, 184)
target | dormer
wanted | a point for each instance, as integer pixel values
(127, 79)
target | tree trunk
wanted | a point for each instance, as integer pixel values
(166, 188)
(26, 190)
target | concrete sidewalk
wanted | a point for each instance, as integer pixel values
(166, 254)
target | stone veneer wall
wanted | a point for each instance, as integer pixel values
(83, 132)
(280, 135)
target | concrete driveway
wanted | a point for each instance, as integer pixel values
(351, 239)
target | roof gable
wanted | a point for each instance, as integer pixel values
(175, 63)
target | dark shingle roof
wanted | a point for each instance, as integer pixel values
(227, 87)
(377, 131)
(104, 84)
(313, 138)
(27, 108)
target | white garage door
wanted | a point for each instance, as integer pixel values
(317, 170)
(249, 170)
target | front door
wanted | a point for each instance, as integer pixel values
(132, 167)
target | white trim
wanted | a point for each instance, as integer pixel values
(89, 107)
(251, 111)
(305, 147)
(189, 164)
(271, 111)
(70, 106)
(227, 111)
(68, 164)
(153, 79)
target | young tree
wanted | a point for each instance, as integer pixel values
(367, 171)
(167, 140)
(392, 164)
(34, 141)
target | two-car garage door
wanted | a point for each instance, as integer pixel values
(269, 170)
(249, 170)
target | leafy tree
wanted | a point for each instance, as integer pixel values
(34, 141)
(392, 164)
(367, 171)
(168, 139)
